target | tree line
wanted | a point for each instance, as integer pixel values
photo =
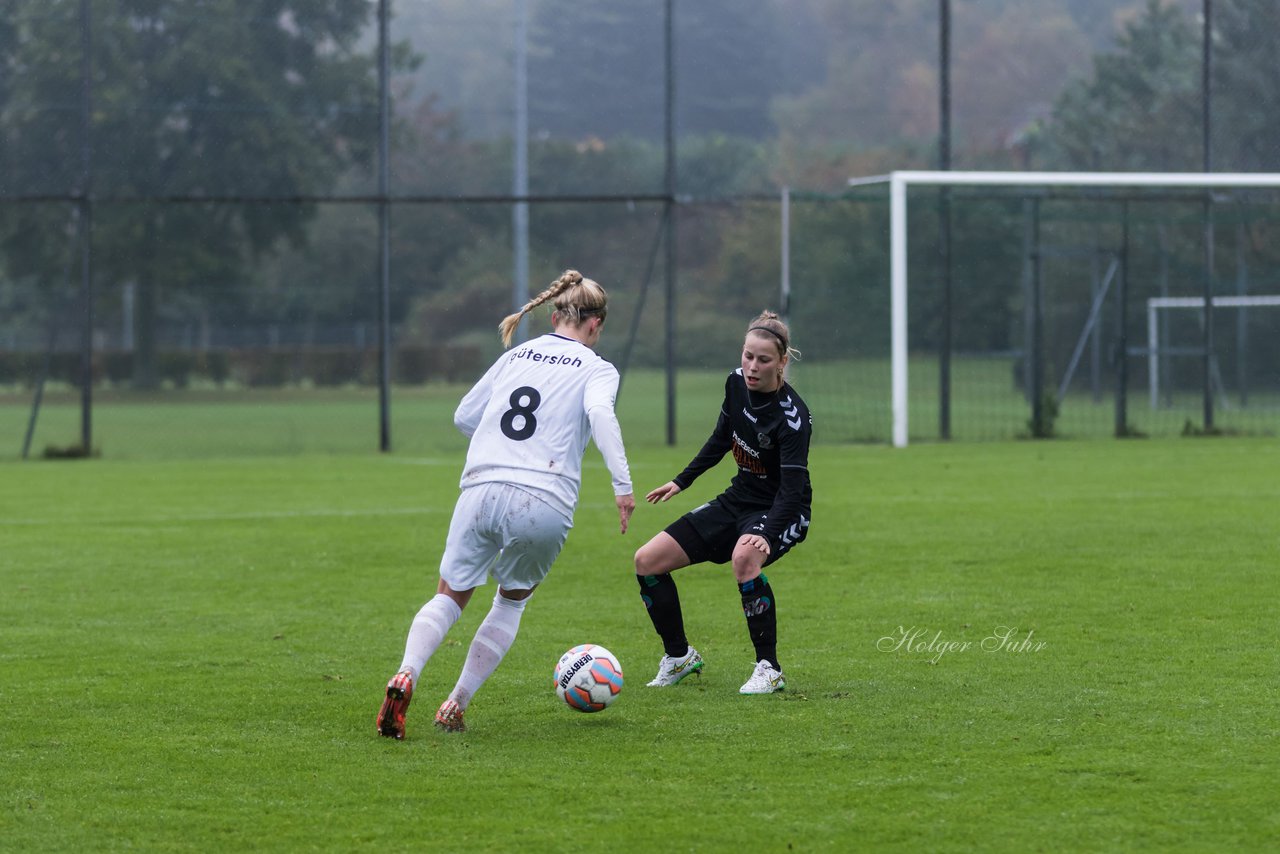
(278, 98)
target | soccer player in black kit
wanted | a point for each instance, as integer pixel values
(763, 514)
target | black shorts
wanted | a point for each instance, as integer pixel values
(710, 532)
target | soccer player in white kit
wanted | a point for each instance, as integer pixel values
(529, 419)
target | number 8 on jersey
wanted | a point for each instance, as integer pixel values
(524, 401)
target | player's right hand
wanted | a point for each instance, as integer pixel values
(662, 493)
(626, 506)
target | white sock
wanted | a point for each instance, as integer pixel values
(492, 640)
(431, 624)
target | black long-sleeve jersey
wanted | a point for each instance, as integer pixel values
(768, 434)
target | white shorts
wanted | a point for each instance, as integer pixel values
(502, 531)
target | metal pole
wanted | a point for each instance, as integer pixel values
(520, 172)
(86, 229)
(944, 84)
(669, 42)
(625, 360)
(1207, 332)
(384, 231)
(1206, 79)
(1028, 282)
(944, 217)
(1037, 328)
(1242, 317)
(784, 296)
(1206, 76)
(1122, 320)
(1166, 384)
(1153, 357)
(1095, 340)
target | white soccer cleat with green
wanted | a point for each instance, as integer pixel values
(765, 679)
(672, 670)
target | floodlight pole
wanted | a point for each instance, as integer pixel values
(86, 228)
(520, 171)
(384, 231)
(944, 217)
(669, 184)
(1206, 76)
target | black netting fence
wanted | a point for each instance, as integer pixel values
(192, 214)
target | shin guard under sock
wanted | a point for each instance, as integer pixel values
(490, 645)
(663, 603)
(427, 632)
(758, 606)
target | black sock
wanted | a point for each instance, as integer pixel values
(759, 607)
(663, 602)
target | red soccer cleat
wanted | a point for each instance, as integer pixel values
(449, 717)
(390, 720)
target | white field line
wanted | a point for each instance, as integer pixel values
(319, 513)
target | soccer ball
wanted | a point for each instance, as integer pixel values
(588, 678)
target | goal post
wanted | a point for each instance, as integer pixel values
(898, 183)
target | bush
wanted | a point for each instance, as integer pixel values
(258, 367)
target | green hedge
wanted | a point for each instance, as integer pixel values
(264, 368)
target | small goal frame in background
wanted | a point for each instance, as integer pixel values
(1155, 352)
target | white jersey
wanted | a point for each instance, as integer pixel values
(530, 417)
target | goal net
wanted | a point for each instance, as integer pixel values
(1035, 282)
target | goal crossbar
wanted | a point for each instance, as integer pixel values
(900, 180)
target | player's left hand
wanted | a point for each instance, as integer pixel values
(626, 506)
(755, 541)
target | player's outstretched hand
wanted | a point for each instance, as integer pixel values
(755, 541)
(626, 506)
(662, 493)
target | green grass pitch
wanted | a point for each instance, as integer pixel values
(192, 654)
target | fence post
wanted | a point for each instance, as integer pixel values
(384, 230)
(86, 227)
(1122, 320)
(1036, 353)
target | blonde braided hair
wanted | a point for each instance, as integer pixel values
(574, 298)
